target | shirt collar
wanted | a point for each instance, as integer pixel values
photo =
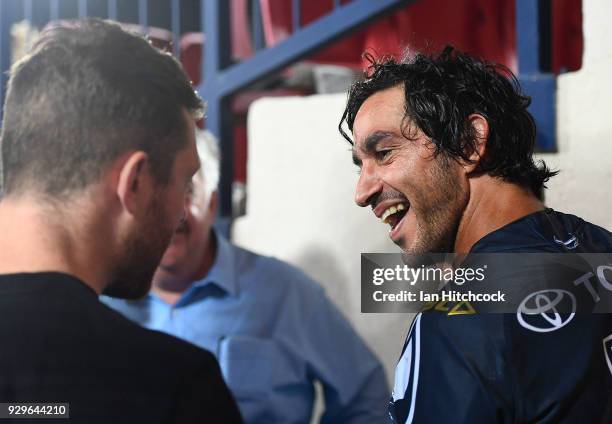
(222, 273)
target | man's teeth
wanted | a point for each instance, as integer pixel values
(390, 211)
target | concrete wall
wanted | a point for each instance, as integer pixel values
(584, 126)
(301, 181)
(300, 207)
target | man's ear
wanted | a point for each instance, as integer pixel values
(481, 134)
(133, 182)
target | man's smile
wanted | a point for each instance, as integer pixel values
(394, 214)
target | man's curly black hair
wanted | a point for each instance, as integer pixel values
(441, 91)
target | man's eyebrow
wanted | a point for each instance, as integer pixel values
(369, 145)
(372, 140)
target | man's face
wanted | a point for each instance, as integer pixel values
(152, 234)
(421, 196)
(192, 238)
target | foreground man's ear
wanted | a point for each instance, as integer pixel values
(481, 135)
(133, 183)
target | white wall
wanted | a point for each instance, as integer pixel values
(300, 207)
(301, 181)
(584, 126)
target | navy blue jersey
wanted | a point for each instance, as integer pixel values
(512, 368)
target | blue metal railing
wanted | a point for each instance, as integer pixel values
(112, 9)
(12, 11)
(296, 15)
(175, 25)
(536, 81)
(223, 78)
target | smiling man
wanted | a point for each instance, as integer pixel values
(445, 145)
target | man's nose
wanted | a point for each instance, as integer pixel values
(368, 186)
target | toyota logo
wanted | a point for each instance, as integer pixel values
(539, 311)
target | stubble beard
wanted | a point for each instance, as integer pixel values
(438, 210)
(142, 253)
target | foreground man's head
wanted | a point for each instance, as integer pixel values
(98, 144)
(435, 139)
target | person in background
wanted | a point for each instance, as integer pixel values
(98, 152)
(272, 328)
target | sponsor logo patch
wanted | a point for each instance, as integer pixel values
(571, 243)
(607, 345)
(451, 308)
(539, 311)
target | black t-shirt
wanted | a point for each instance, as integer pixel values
(517, 367)
(58, 343)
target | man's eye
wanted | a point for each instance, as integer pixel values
(382, 154)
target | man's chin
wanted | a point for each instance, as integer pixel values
(409, 248)
(401, 243)
(420, 246)
(408, 243)
(415, 245)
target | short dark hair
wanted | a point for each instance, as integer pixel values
(441, 91)
(87, 93)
